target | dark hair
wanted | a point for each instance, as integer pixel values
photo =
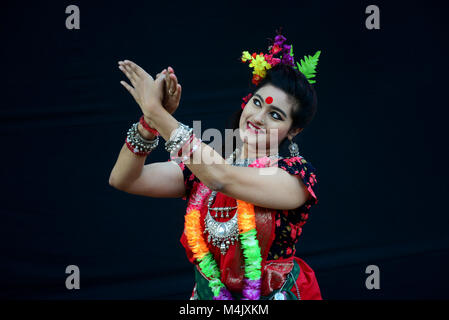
(296, 85)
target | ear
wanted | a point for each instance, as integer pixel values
(293, 132)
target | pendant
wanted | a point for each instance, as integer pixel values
(221, 234)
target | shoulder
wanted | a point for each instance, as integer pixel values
(296, 165)
(299, 166)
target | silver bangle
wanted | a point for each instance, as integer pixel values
(138, 142)
(174, 155)
(178, 137)
(174, 149)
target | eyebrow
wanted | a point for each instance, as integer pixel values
(272, 106)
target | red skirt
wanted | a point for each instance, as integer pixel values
(275, 274)
(307, 282)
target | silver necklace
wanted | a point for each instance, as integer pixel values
(223, 234)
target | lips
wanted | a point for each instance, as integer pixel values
(251, 127)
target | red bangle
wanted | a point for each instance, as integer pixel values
(139, 153)
(147, 127)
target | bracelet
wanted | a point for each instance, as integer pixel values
(137, 144)
(181, 141)
(181, 156)
(147, 127)
(178, 138)
(181, 150)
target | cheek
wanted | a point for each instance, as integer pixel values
(245, 114)
(282, 131)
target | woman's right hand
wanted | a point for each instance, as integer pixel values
(172, 90)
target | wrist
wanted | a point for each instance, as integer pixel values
(145, 133)
(148, 127)
(148, 120)
(151, 117)
(149, 110)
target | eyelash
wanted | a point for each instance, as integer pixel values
(279, 117)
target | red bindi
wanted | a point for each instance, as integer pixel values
(269, 100)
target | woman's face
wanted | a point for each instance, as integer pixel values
(268, 110)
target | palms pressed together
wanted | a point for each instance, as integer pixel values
(146, 91)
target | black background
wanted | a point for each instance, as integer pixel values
(379, 141)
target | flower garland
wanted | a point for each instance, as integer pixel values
(248, 237)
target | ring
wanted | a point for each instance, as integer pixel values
(170, 92)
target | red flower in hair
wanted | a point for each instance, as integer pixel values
(275, 49)
(246, 99)
(256, 79)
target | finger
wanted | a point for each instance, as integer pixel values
(137, 69)
(128, 87)
(160, 79)
(173, 82)
(131, 72)
(161, 73)
(167, 82)
(125, 69)
(128, 75)
(178, 91)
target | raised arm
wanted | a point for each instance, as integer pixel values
(159, 179)
(262, 187)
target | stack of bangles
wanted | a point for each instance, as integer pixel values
(181, 144)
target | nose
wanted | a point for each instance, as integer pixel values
(259, 118)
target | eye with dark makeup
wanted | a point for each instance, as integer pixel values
(274, 114)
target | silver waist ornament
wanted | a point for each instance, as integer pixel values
(223, 234)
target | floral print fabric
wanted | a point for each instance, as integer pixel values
(289, 223)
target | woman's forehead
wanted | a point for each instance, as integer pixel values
(276, 97)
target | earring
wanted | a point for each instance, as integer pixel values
(294, 149)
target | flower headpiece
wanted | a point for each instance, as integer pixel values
(279, 52)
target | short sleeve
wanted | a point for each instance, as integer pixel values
(300, 167)
(189, 179)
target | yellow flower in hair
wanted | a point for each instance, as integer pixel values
(261, 73)
(246, 56)
(260, 65)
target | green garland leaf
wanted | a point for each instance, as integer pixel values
(209, 266)
(308, 66)
(215, 285)
(251, 252)
(210, 270)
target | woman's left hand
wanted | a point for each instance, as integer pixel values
(145, 90)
